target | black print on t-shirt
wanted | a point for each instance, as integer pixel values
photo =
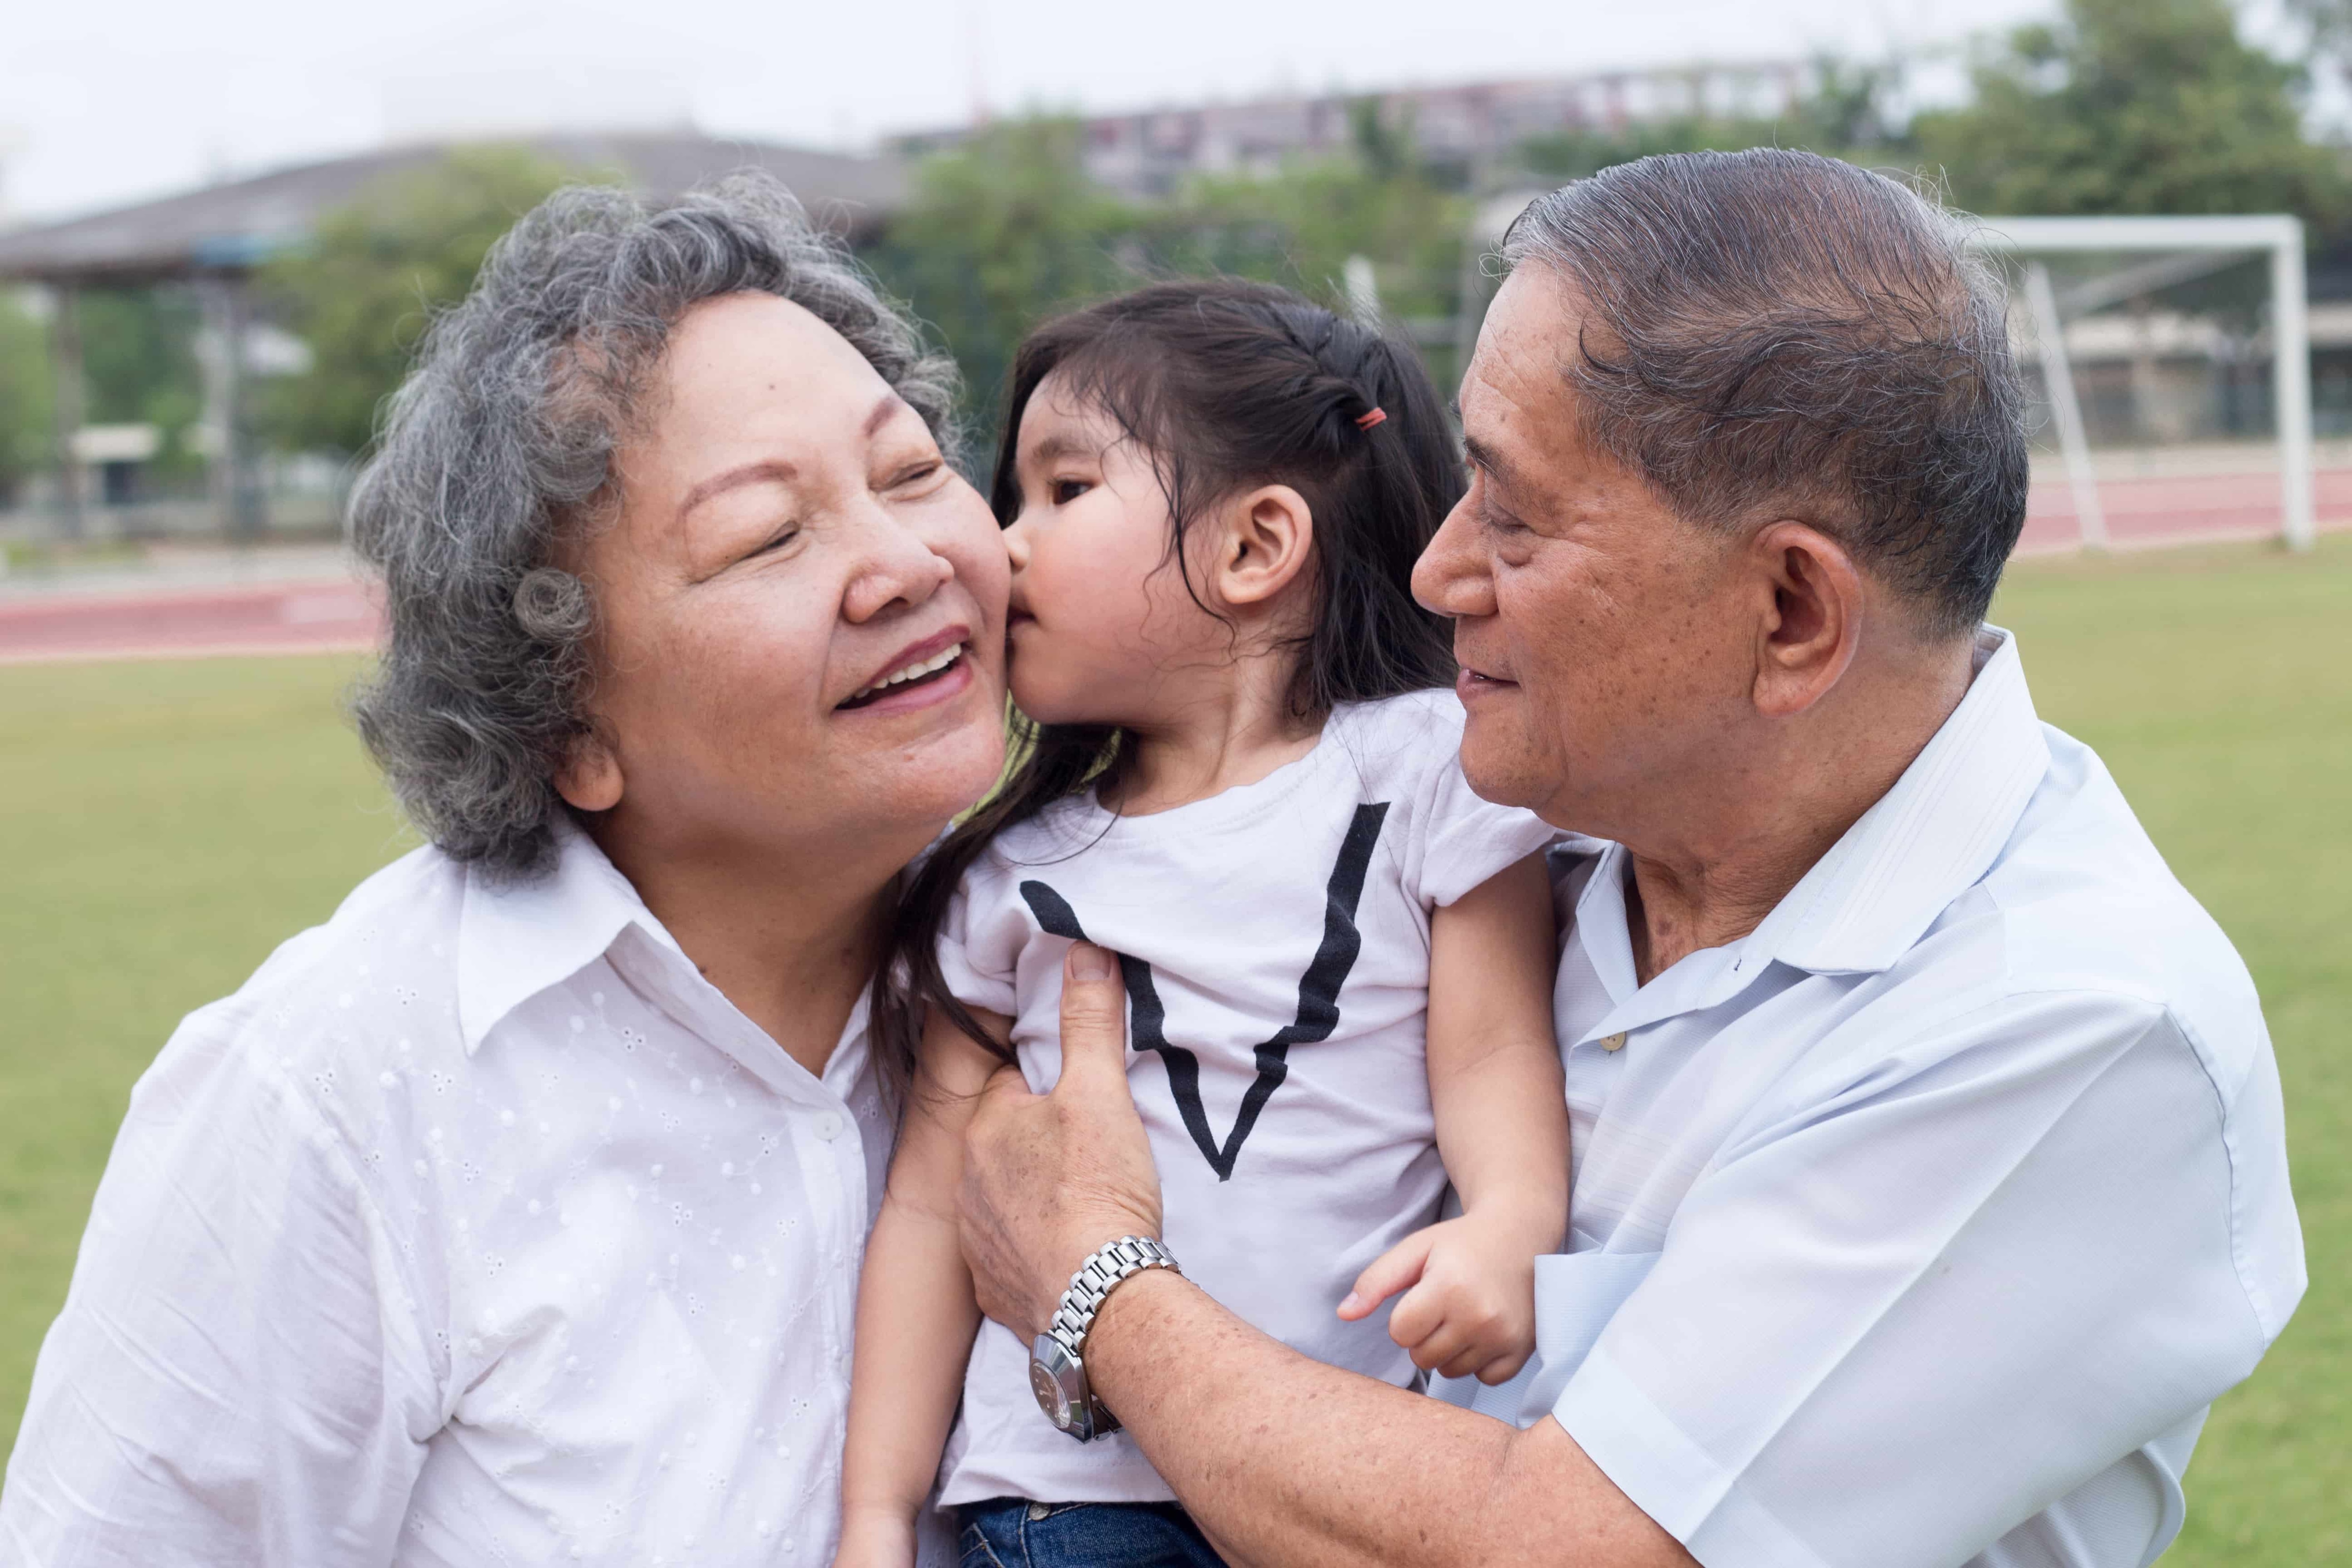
(1319, 993)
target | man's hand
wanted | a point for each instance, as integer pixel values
(1049, 1178)
(1469, 1307)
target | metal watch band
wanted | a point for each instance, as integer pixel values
(1092, 1285)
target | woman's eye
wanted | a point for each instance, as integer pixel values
(771, 546)
(1065, 491)
(915, 474)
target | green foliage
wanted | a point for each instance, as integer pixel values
(2133, 106)
(1002, 232)
(1845, 116)
(139, 367)
(360, 291)
(1298, 227)
(1006, 230)
(24, 434)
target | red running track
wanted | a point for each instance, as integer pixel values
(2187, 510)
(256, 619)
(338, 614)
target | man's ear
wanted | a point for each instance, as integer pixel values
(1266, 537)
(590, 778)
(1811, 631)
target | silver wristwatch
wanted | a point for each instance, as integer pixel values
(1057, 1367)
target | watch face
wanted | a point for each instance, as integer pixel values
(1052, 1378)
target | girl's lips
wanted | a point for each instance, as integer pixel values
(945, 687)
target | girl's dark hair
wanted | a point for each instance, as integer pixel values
(1226, 385)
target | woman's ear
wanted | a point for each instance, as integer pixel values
(1268, 534)
(590, 779)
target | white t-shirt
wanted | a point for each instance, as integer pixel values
(1274, 941)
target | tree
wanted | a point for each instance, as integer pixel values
(361, 290)
(1002, 232)
(1847, 115)
(24, 434)
(2133, 106)
(1006, 230)
(1299, 225)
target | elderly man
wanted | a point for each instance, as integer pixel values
(1930, 1174)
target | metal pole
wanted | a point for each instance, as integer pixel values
(246, 519)
(2080, 476)
(2291, 389)
(66, 405)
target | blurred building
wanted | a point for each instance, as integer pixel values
(210, 240)
(1149, 152)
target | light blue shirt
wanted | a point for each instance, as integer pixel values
(1921, 1225)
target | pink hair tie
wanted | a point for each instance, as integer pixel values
(1377, 416)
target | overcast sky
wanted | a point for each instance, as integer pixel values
(101, 103)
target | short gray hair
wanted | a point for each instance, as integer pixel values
(503, 437)
(1771, 326)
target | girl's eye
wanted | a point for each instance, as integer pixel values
(1065, 491)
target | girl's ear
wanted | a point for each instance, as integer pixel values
(1268, 534)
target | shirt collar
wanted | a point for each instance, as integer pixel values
(517, 938)
(1925, 841)
(1870, 900)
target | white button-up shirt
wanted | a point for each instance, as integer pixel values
(478, 1227)
(1921, 1225)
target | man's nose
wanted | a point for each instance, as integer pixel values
(1450, 579)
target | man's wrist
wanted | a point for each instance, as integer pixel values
(1135, 1299)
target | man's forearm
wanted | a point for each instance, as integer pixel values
(1285, 1460)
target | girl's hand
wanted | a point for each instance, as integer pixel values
(874, 1538)
(1469, 1307)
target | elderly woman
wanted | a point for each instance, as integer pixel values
(514, 1215)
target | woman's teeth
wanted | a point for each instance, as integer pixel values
(915, 671)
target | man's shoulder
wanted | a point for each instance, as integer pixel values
(2087, 905)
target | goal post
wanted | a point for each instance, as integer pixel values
(2176, 250)
(2185, 247)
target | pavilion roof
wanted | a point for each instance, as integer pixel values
(231, 226)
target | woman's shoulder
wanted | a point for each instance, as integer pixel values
(330, 1000)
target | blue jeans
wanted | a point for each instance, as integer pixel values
(1014, 1532)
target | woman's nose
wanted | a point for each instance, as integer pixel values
(898, 567)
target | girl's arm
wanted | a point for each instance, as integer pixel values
(1502, 1128)
(915, 1312)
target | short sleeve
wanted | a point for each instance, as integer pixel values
(240, 1374)
(1890, 1325)
(980, 941)
(1461, 840)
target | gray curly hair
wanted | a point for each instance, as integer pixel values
(502, 438)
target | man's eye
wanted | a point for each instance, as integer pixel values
(1065, 491)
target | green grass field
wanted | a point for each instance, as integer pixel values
(163, 827)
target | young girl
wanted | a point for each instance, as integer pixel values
(1338, 960)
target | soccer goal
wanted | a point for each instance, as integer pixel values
(2170, 251)
(2102, 263)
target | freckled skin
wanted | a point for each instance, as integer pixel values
(1619, 622)
(783, 540)
(1724, 702)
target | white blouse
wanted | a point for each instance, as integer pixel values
(478, 1227)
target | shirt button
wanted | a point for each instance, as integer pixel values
(828, 1125)
(1615, 1042)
